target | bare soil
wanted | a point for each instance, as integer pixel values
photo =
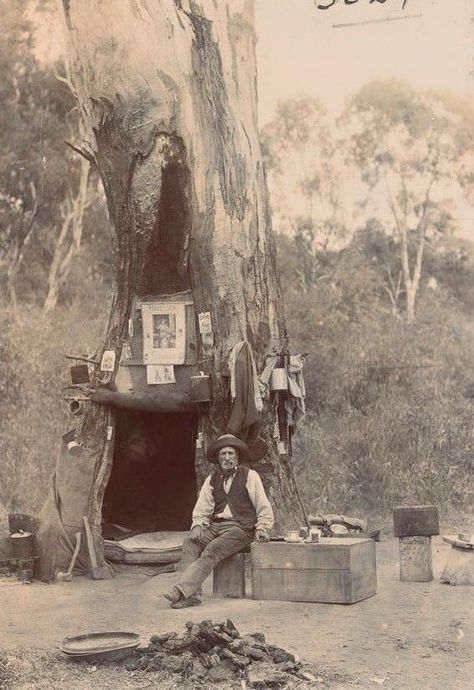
(410, 636)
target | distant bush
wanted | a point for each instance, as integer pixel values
(389, 421)
(33, 372)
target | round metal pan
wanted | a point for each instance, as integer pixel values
(100, 646)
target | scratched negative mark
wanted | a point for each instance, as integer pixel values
(377, 21)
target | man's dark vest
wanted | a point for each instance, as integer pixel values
(237, 499)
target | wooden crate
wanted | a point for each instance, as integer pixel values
(333, 571)
(229, 577)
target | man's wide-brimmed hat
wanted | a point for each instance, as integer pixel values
(226, 441)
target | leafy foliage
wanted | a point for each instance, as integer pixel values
(389, 418)
(415, 152)
(304, 162)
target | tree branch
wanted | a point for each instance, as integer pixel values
(82, 152)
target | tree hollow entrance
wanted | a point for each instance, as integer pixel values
(152, 486)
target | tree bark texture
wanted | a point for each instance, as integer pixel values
(167, 89)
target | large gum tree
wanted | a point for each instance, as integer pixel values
(167, 92)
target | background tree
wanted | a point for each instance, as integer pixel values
(413, 151)
(43, 185)
(305, 165)
(72, 209)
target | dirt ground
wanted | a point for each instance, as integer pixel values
(416, 636)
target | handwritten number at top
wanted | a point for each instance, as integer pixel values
(353, 2)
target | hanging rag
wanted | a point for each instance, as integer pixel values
(247, 402)
(264, 378)
(295, 403)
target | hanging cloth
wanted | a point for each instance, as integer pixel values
(264, 378)
(247, 402)
(295, 404)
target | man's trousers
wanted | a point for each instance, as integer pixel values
(218, 541)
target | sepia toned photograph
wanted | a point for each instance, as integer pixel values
(236, 344)
(164, 330)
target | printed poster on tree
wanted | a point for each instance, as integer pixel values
(164, 333)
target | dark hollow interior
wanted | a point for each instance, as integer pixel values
(165, 270)
(152, 486)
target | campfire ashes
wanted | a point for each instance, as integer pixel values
(216, 653)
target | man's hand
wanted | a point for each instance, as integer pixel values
(196, 533)
(262, 535)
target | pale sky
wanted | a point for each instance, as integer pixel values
(300, 53)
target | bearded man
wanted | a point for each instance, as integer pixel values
(232, 511)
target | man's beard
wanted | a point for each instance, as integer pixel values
(228, 473)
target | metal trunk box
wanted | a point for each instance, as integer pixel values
(332, 571)
(415, 521)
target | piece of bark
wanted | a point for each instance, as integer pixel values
(133, 665)
(231, 626)
(259, 637)
(205, 660)
(289, 666)
(280, 656)
(239, 660)
(213, 637)
(236, 645)
(254, 653)
(265, 676)
(174, 664)
(177, 646)
(144, 661)
(163, 637)
(198, 670)
(223, 672)
(214, 660)
(252, 642)
(157, 663)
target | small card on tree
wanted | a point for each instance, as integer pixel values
(160, 373)
(205, 324)
(108, 361)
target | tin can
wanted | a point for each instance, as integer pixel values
(279, 380)
(201, 390)
(22, 544)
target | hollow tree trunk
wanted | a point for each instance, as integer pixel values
(167, 89)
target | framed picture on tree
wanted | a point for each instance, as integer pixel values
(164, 333)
